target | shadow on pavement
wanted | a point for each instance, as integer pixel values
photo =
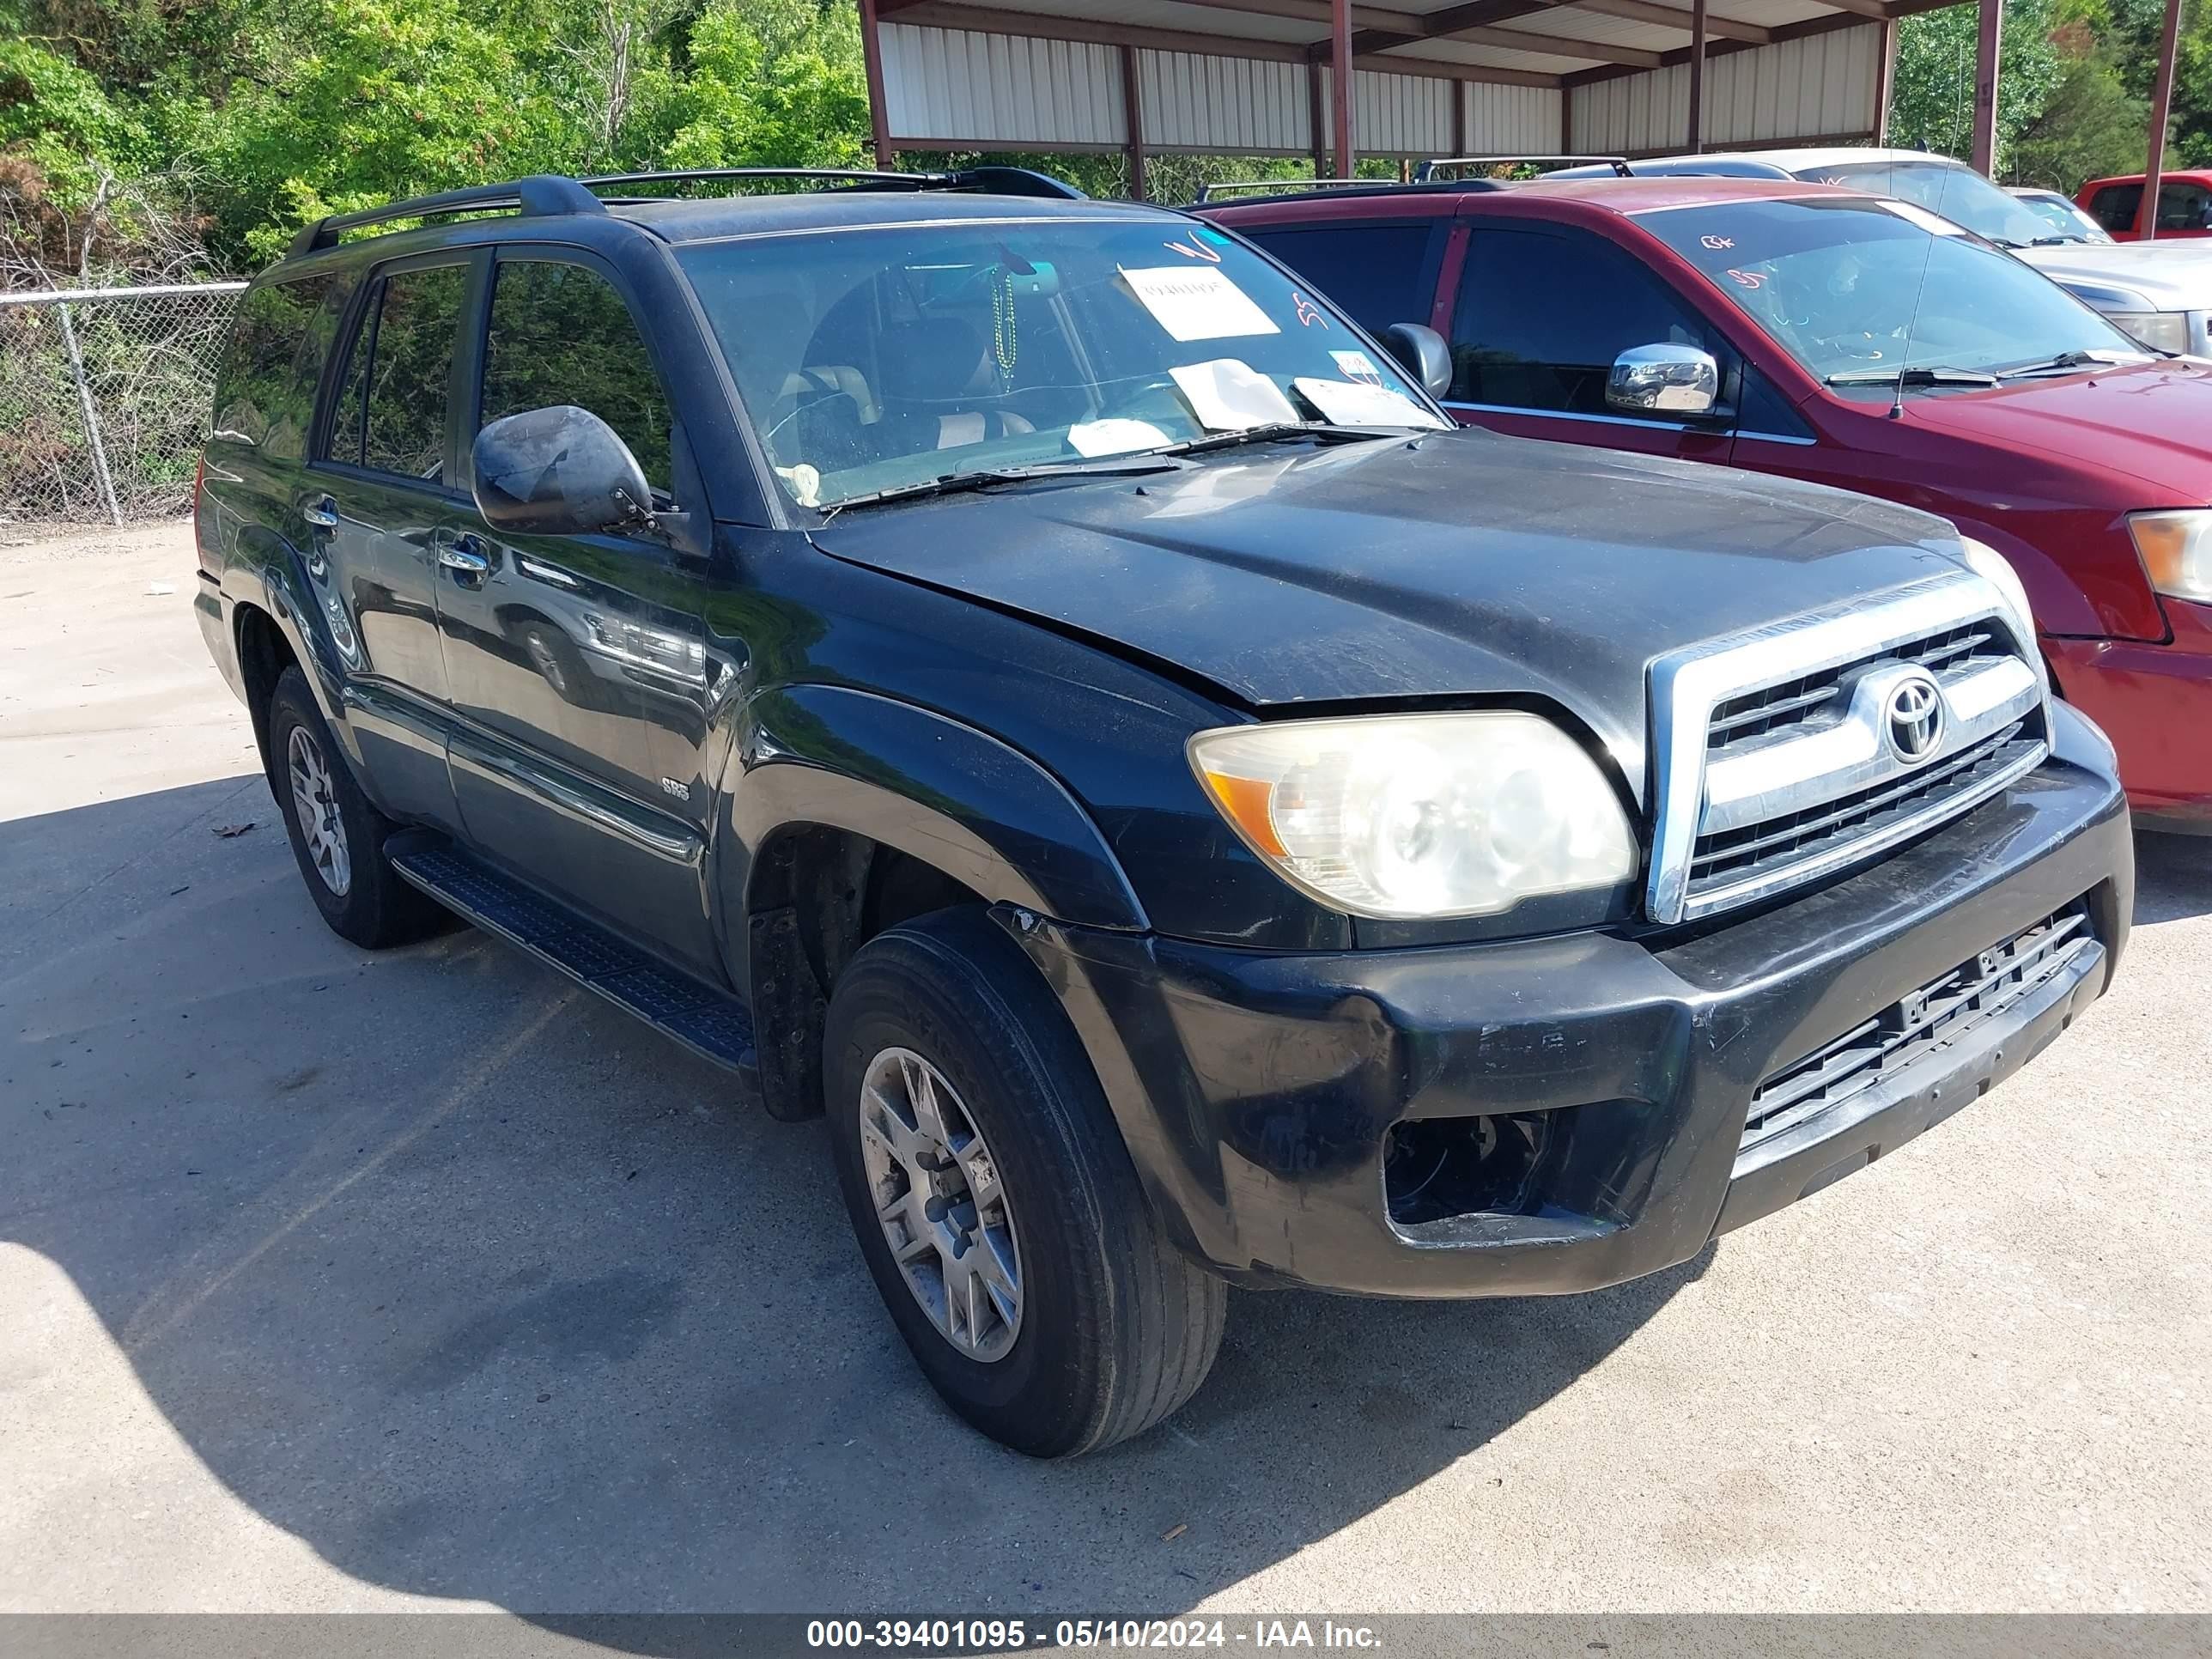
(2173, 876)
(485, 1292)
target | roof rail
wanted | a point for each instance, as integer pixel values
(1426, 172)
(542, 194)
(1286, 186)
(997, 180)
(547, 194)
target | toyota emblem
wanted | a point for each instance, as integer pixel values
(1916, 718)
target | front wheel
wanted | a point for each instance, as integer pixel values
(995, 1202)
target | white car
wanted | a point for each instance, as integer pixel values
(2068, 221)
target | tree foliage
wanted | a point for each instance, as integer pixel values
(2074, 100)
(159, 137)
(242, 119)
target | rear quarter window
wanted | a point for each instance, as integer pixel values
(265, 387)
(1381, 273)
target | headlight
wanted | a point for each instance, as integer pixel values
(2176, 548)
(2161, 331)
(1419, 814)
(1996, 570)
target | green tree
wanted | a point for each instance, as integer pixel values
(1932, 107)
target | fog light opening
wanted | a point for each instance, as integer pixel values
(1439, 1167)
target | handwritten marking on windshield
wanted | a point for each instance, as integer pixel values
(1753, 279)
(1190, 253)
(1310, 314)
(1718, 244)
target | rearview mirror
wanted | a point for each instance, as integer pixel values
(1422, 353)
(1664, 380)
(557, 471)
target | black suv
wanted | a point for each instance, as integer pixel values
(1024, 674)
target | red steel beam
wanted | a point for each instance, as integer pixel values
(1340, 81)
(872, 58)
(1986, 60)
(1697, 143)
(2161, 110)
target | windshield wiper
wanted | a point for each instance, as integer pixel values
(1106, 466)
(1277, 431)
(2073, 360)
(1937, 374)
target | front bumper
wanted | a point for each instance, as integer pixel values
(1258, 1092)
(2155, 701)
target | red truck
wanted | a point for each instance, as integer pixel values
(2184, 204)
(1835, 337)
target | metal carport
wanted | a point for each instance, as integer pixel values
(1427, 77)
(1262, 77)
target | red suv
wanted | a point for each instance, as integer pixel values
(1839, 338)
(2184, 204)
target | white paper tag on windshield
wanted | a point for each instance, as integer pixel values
(1357, 366)
(1913, 213)
(1347, 403)
(1197, 302)
(1114, 437)
(1228, 396)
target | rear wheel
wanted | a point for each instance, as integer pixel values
(994, 1200)
(337, 835)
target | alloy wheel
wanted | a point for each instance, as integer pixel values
(315, 803)
(940, 1198)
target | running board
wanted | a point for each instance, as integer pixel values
(711, 1024)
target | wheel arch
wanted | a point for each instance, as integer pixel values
(848, 812)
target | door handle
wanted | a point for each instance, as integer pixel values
(322, 514)
(464, 555)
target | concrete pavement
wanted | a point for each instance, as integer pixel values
(331, 1280)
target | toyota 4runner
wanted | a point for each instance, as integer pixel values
(1029, 678)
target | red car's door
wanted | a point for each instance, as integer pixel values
(1539, 313)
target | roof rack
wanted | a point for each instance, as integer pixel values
(541, 195)
(1273, 189)
(547, 195)
(1426, 172)
(994, 180)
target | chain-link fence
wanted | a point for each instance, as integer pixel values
(104, 398)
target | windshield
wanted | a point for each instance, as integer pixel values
(2066, 222)
(1959, 193)
(884, 358)
(1836, 281)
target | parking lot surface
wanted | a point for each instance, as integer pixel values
(331, 1280)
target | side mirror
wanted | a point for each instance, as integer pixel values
(1664, 380)
(1422, 353)
(558, 471)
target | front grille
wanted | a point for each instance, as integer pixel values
(1940, 1012)
(1729, 856)
(1738, 723)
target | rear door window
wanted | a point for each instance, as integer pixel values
(1541, 314)
(265, 389)
(1382, 273)
(561, 334)
(390, 415)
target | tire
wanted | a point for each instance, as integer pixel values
(341, 856)
(1116, 1327)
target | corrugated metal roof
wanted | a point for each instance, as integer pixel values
(1232, 76)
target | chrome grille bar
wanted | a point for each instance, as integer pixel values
(1781, 728)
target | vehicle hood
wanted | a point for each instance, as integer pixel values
(2130, 276)
(1467, 565)
(2147, 422)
